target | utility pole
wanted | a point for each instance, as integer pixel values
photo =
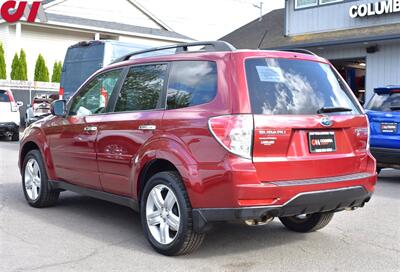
(260, 7)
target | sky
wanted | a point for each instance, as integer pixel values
(208, 19)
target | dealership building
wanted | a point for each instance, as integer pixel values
(361, 38)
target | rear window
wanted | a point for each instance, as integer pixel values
(295, 87)
(4, 96)
(191, 83)
(384, 102)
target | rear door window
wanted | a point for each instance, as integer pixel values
(191, 83)
(384, 102)
(4, 96)
(298, 87)
(142, 88)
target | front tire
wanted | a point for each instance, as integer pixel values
(166, 215)
(37, 190)
(307, 223)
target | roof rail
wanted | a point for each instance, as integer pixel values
(298, 50)
(209, 46)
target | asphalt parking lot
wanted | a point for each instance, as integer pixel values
(85, 234)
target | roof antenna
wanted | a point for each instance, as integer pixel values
(262, 39)
(260, 7)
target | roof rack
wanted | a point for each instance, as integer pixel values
(209, 46)
(298, 50)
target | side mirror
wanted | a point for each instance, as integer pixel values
(59, 108)
(20, 103)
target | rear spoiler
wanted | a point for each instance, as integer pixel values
(387, 90)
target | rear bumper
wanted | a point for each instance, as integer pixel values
(9, 127)
(304, 203)
(386, 156)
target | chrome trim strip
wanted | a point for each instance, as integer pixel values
(320, 180)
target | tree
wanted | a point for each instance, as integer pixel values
(15, 68)
(41, 71)
(3, 67)
(23, 66)
(57, 70)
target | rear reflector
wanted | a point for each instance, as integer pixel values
(234, 133)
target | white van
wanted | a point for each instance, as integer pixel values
(9, 115)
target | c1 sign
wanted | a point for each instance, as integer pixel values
(377, 8)
(12, 11)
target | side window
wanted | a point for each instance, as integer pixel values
(93, 98)
(191, 83)
(142, 88)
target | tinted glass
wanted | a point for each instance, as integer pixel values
(384, 102)
(191, 83)
(142, 88)
(287, 86)
(4, 96)
(93, 98)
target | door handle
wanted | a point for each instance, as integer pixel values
(90, 129)
(147, 127)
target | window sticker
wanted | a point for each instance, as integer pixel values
(269, 74)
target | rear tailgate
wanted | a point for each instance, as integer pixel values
(283, 148)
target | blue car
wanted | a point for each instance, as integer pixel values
(383, 112)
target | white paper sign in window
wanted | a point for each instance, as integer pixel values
(269, 74)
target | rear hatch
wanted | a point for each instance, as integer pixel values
(384, 115)
(307, 123)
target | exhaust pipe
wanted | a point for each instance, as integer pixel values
(259, 221)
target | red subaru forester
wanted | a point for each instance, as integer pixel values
(189, 138)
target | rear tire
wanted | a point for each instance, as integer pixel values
(172, 218)
(309, 223)
(37, 190)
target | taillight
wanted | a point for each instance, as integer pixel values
(14, 106)
(61, 93)
(362, 138)
(234, 133)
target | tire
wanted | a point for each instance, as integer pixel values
(15, 137)
(41, 194)
(310, 223)
(378, 170)
(184, 240)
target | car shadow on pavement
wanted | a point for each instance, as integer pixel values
(118, 226)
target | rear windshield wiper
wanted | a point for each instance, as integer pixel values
(333, 109)
(395, 108)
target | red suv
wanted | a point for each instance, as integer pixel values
(218, 134)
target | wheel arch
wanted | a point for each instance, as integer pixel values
(165, 154)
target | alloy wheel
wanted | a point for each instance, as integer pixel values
(32, 179)
(163, 214)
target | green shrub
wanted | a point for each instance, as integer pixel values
(57, 70)
(23, 66)
(41, 71)
(3, 67)
(15, 68)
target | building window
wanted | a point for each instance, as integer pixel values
(306, 3)
(323, 2)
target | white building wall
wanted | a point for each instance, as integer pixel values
(331, 17)
(51, 43)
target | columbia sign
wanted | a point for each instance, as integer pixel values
(13, 11)
(377, 8)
